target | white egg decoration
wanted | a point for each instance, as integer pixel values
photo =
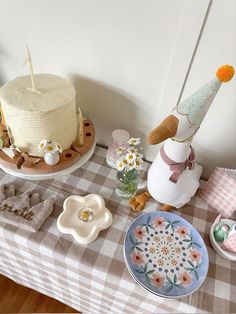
(52, 158)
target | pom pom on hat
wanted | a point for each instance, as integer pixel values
(225, 73)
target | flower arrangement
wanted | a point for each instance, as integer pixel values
(48, 146)
(51, 151)
(131, 158)
(128, 166)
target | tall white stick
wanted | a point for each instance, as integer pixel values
(31, 69)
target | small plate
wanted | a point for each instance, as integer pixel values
(227, 255)
(84, 232)
(165, 254)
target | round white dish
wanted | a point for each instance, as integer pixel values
(84, 232)
(227, 255)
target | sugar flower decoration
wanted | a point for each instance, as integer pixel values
(47, 146)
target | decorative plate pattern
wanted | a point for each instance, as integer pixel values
(165, 254)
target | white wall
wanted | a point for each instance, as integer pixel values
(128, 60)
(215, 142)
(118, 53)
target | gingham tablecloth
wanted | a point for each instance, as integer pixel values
(93, 278)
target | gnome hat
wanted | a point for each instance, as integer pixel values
(196, 106)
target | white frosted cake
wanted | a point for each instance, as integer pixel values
(34, 116)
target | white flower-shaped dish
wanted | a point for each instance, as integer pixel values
(84, 232)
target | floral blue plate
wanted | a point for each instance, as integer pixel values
(165, 254)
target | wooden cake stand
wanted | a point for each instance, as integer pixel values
(33, 168)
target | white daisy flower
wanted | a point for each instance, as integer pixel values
(138, 164)
(134, 141)
(133, 149)
(59, 148)
(42, 145)
(130, 157)
(139, 156)
(51, 147)
(120, 150)
(131, 166)
(120, 165)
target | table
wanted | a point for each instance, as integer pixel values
(93, 278)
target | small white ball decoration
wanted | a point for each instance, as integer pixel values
(52, 158)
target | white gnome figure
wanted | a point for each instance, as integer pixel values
(173, 177)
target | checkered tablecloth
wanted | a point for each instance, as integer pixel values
(93, 278)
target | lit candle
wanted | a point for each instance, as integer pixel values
(81, 128)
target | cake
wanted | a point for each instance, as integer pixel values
(49, 113)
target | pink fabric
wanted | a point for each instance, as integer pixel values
(178, 167)
(230, 244)
(220, 191)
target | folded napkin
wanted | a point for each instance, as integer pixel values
(220, 191)
(25, 210)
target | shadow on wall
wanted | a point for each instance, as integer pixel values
(107, 107)
(6, 58)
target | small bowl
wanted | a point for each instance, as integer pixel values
(84, 231)
(225, 254)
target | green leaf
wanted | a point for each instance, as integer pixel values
(148, 220)
(170, 281)
(196, 274)
(150, 226)
(138, 243)
(191, 264)
(175, 278)
(175, 222)
(189, 269)
(189, 246)
(131, 239)
(173, 229)
(139, 271)
(138, 248)
(167, 226)
(170, 288)
(197, 244)
(145, 267)
(186, 240)
(147, 279)
(150, 271)
(199, 265)
(147, 229)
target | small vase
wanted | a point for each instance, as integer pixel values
(127, 183)
(119, 139)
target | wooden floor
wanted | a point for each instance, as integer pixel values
(15, 298)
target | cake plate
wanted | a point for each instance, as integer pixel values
(70, 159)
(52, 175)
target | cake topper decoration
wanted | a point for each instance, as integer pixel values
(81, 128)
(51, 151)
(29, 61)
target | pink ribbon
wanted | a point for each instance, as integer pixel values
(178, 167)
